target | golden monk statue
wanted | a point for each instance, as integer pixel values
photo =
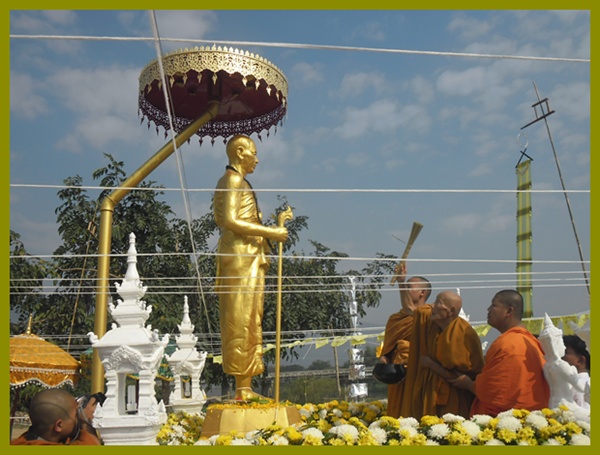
(241, 266)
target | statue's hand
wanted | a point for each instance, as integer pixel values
(279, 234)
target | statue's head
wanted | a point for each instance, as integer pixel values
(551, 339)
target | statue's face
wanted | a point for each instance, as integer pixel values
(248, 158)
(552, 343)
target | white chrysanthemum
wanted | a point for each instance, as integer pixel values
(345, 431)
(580, 440)
(566, 416)
(552, 442)
(408, 422)
(278, 440)
(482, 419)
(537, 421)
(203, 442)
(408, 432)
(438, 431)
(375, 424)
(523, 442)
(471, 428)
(241, 442)
(494, 442)
(509, 423)
(452, 418)
(429, 442)
(379, 435)
(323, 413)
(251, 435)
(313, 432)
(305, 412)
(502, 414)
(177, 431)
(213, 438)
(585, 426)
(336, 412)
(354, 408)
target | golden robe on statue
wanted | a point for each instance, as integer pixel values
(457, 348)
(241, 267)
(395, 348)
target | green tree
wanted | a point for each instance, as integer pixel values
(27, 276)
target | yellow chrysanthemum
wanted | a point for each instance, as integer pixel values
(312, 440)
(293, 435)
(459, 438)
(485, 435)
(428, 421)
(526, 433)
(506, 435)
(223, 440)
(419, 440)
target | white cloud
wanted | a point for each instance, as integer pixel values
(422, 89)
(195, 24)
(355, 84)
(97, 91)
(462, 83)
(105, 104)
(461, 223)
(481, 170)
(470, 28)
(572, 100)
(26, 100)
(41, 22)
(382, 117)
(372, 31)
(306, 74)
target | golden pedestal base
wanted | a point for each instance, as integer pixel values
(222, 420)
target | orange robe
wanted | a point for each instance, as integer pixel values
(27, 439)
(423, 341)
(395, 347)
(513, 375)
(456, 347)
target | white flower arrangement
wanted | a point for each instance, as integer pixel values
(343, 423)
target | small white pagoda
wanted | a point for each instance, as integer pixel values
(130, 415)
(186, 364)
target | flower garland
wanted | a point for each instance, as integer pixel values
(361, 424)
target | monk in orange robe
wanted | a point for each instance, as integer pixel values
(442, 346)
(413, 294)
(57, 420)
(513, 376)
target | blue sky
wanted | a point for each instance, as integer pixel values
(357, 120)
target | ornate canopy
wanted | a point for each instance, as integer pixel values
(252, 91)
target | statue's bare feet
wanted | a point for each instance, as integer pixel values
(246, 394)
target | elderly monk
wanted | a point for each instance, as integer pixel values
(242, 263)
(413, 294)
(56, 419)
(442, 346)
(513, 375)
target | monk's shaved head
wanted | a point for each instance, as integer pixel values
(48, 406)
(446, 308)
(451, 300)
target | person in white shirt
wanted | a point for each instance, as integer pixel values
(576, 354)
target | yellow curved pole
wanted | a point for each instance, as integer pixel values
(105, 232)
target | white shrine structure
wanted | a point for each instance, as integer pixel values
(130, 415)
(186, 364)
